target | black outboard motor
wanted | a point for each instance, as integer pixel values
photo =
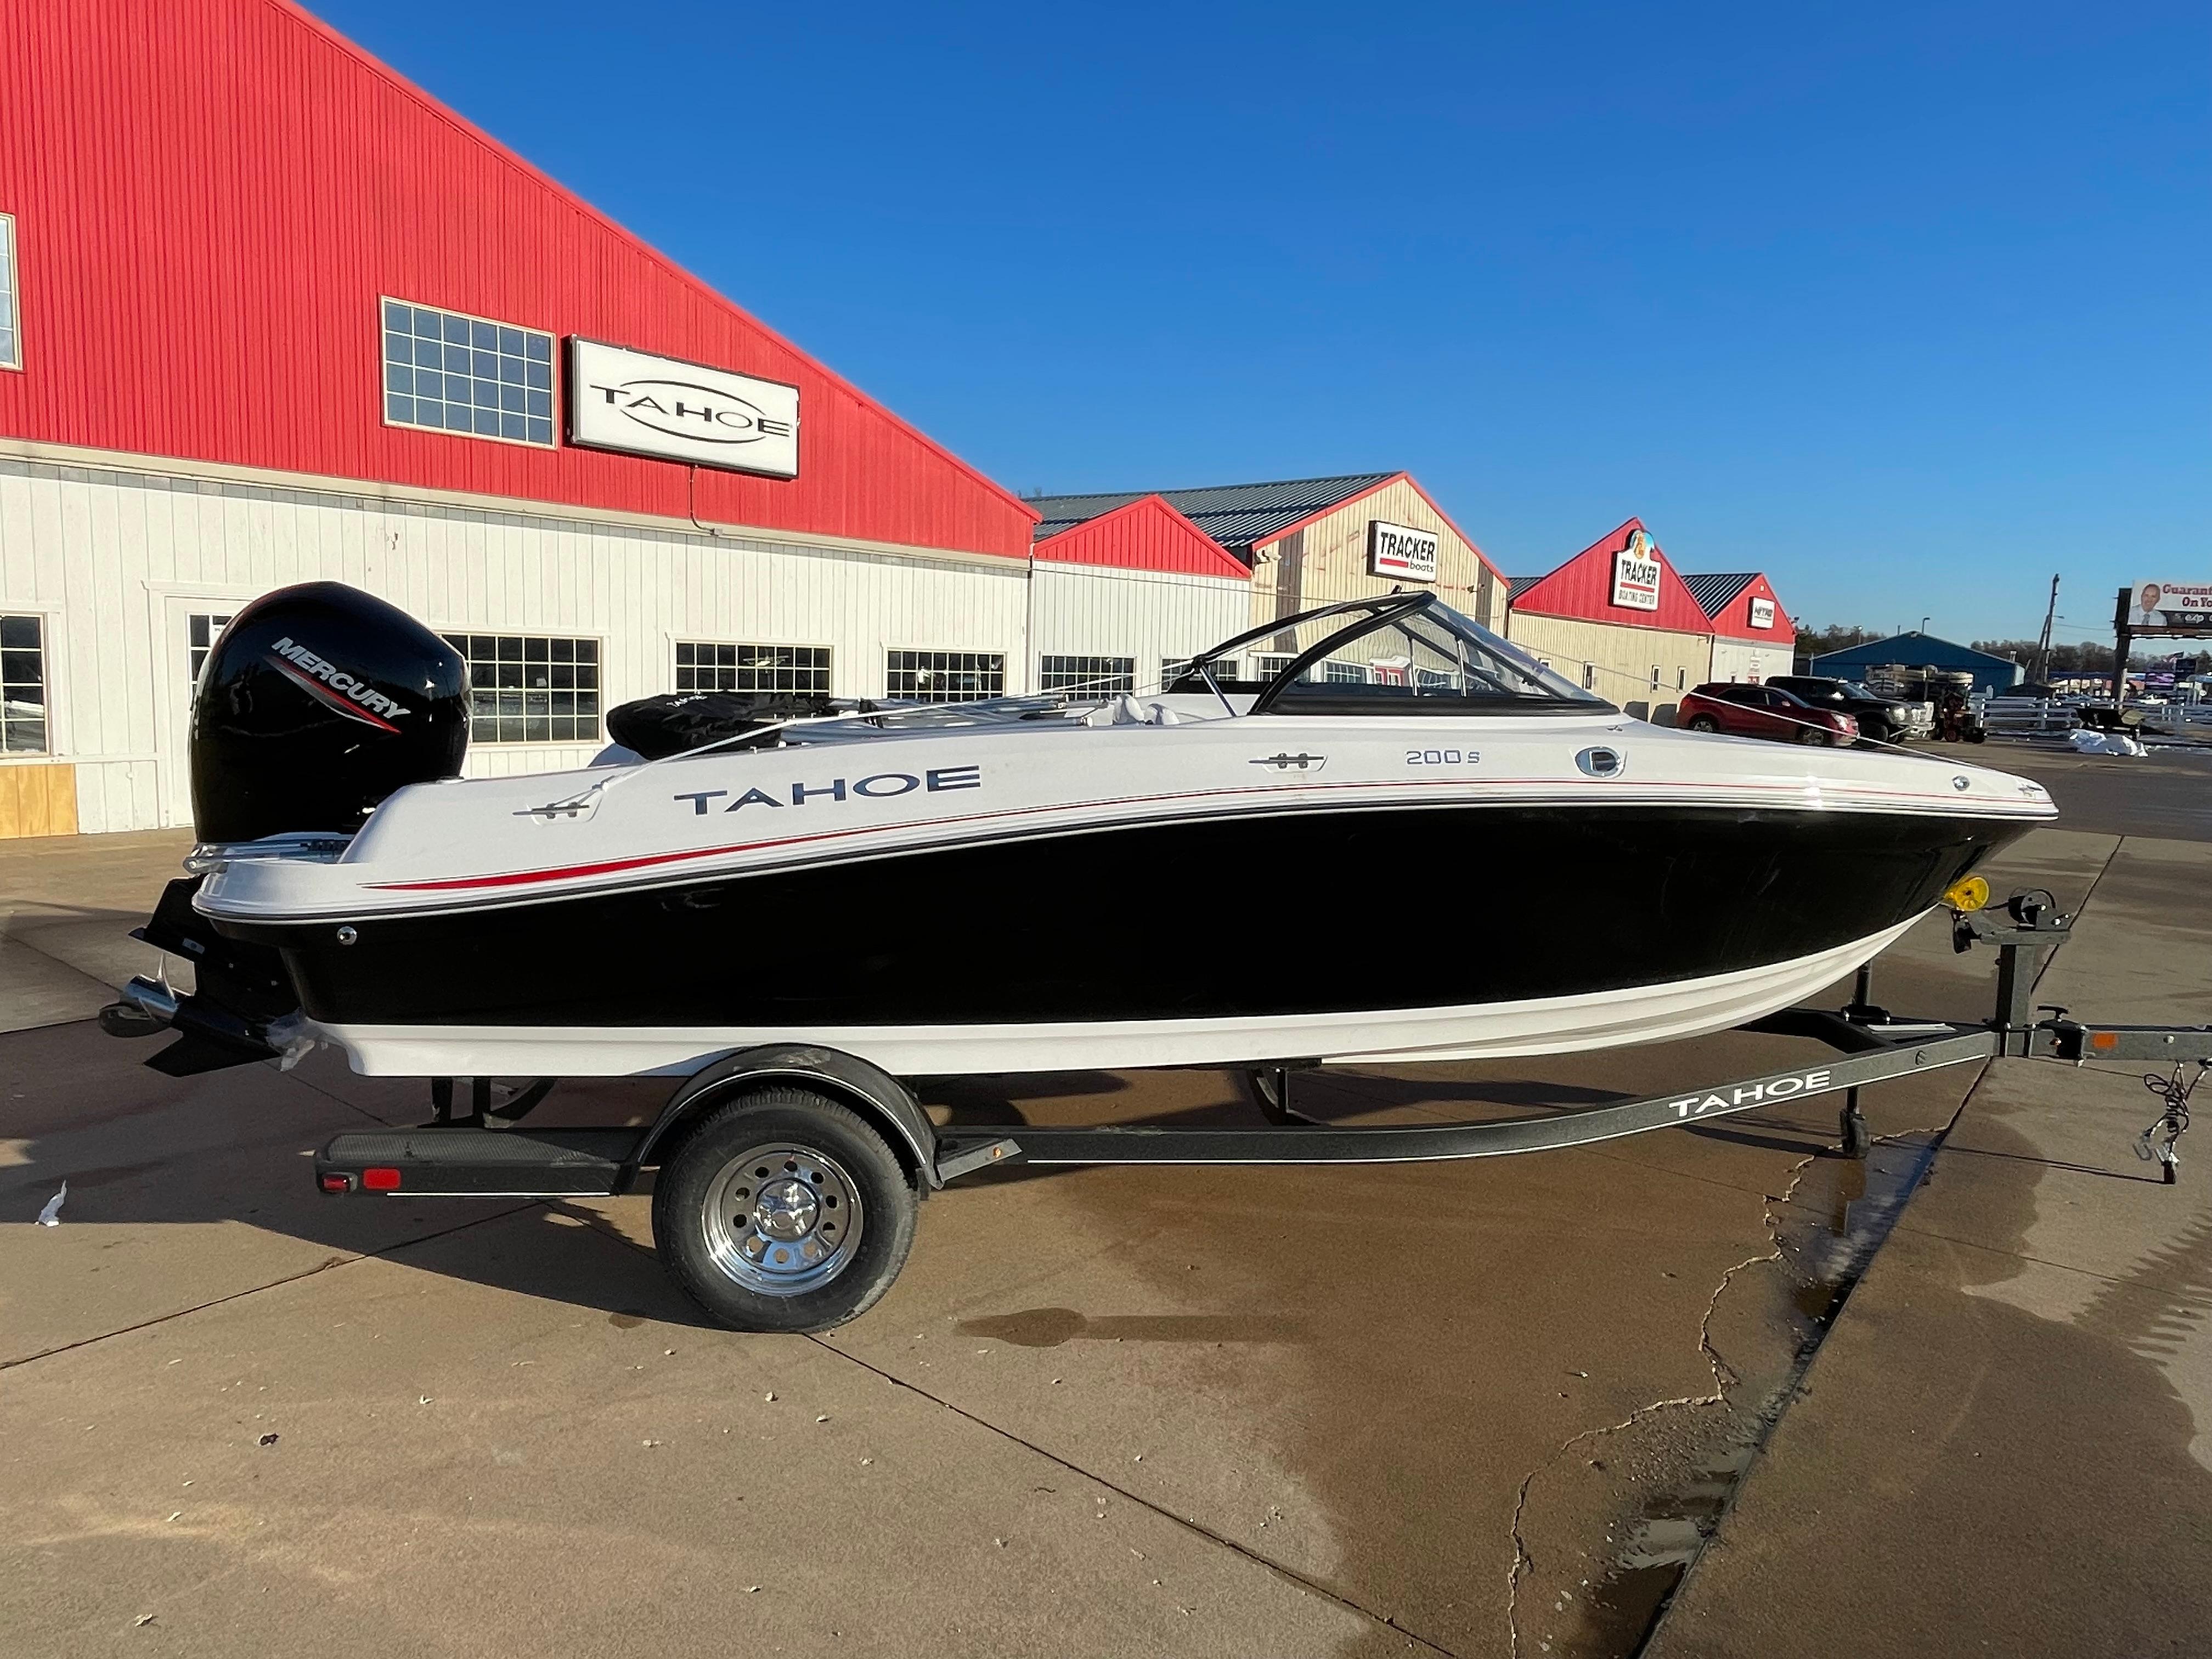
(317, 702)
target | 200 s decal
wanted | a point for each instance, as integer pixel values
(878, 786)
(1443, 758)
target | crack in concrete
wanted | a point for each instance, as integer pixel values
(1724, 1378)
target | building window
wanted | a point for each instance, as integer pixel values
(1343, 673)
(528, 688)
(22, 685)
(1589, 676)
(456, 373)
(1656, 672)
(1267, 664)
(1224, 669)
(943, 676)
(1099, 676)
(1681, 679)
(702, 666)
(11, 327)
(202, 630)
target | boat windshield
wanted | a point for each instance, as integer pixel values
(1396, 654)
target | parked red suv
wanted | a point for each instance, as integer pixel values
(1763, 711)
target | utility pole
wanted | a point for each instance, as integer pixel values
(2124, 639)
(2042, 675)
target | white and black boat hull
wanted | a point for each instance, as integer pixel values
(1524, 929)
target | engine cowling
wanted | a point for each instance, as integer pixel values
(315, 703)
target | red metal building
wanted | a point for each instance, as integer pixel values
(1619, 616)
(211, 201)
(269, 314)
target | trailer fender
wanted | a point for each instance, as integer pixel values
(868, 1089)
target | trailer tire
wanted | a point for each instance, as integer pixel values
(783, 1210)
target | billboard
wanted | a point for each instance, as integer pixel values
(2169, 605)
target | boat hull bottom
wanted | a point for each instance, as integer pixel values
(1606, 1019)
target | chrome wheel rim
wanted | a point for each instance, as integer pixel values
(782, 1218)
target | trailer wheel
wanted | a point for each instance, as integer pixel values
(783, 1210)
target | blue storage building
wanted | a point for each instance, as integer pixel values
(1996, 675)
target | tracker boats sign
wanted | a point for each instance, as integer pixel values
(1398, 549)
(639, 405)
(1636, 574)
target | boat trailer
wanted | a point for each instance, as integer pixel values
(769, 1248)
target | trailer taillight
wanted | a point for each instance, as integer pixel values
(380, 1181)
(337, 1183)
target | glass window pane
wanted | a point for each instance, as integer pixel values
(20, 632)
(540, 348)
(397, 408)
(541, 432)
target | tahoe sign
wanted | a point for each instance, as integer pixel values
(673, 410)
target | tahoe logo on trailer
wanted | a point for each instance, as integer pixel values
(334, 687)
(673, 410)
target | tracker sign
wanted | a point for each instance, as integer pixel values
(1635, 573)
(1397, 549)
(672, 410)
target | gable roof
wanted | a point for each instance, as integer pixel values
(1516, 586)
(1712, 594)
(1234, 515)
(1581, 589)
(1913, 649)
(1145, 534)
(279, 172)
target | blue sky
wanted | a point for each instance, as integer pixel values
(1909, 306)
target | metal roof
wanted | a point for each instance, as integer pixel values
(1516, 586)
(1912, 650)
(1712, 594)
(1234, 515)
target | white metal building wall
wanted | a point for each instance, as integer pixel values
(117, 559)
(1749, 659)
(1085, 611)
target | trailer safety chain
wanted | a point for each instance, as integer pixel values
(2173, 1121)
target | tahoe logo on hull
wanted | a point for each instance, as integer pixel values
(882, 786)
(669, 410)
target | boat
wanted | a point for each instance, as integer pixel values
(1369, 832)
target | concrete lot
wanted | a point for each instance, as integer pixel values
(1479, 1409)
